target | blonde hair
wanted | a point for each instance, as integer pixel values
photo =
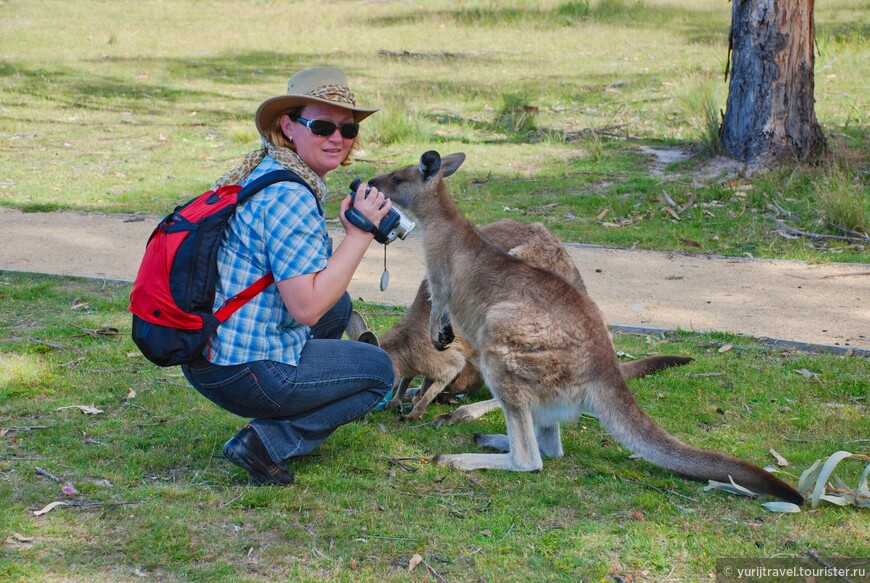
(276, 136)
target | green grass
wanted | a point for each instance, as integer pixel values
(157, 499)
(131, 109)
(137, 106)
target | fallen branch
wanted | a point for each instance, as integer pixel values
(861, 236)
(398, 462)
(40, 472)
(793, 231)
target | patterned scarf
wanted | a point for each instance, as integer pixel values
(286, 157)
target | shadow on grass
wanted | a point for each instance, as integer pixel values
(698, 25)
(81, 88)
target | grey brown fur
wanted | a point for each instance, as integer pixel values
(545, 352)
(454, 369)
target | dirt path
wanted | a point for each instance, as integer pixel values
(789, 300)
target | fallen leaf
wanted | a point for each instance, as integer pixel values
(671, 212)
(16, 540)
(690, 242)
(638, 516)
(415, 560)
(827, 468)
(725, 348)
(780, 461)
(782, 507)
(732, 488)
(49, 508)
(86, 409)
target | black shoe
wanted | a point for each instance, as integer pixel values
(247, 451)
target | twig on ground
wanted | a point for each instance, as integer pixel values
(49, 344)
(40, 472)
(433, 571)
(793, 231)
(398, 462)
(29, 427)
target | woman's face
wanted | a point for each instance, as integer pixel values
(321, 153)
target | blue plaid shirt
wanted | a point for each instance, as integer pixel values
(280, 229)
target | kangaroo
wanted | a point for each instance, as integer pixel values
(454, 369)
(545, 352)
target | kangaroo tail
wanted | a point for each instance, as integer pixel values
(630, 425)
(635, 369)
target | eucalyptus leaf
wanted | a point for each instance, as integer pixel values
(840, 484)
(862, 492)
(838, 500)
(782, 507)
(827, 469)
(731, 488)
(808, 477)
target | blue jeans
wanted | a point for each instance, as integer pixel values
(295, 408)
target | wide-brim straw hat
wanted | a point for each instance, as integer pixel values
(326, 85)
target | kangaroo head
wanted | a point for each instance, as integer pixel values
(417, 187)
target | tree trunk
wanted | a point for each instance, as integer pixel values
(770, 111)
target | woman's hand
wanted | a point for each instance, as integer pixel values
(370, 202)
(309, 296)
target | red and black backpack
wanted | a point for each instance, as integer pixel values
(173, 296)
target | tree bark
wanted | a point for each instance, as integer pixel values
(770, 113)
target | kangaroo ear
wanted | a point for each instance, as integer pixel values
(452, 162)
(430, 164)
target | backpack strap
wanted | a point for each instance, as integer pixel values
(234, 303)
(269, 179)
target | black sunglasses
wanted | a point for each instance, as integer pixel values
(325, 128)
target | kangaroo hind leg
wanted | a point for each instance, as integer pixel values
(522, 453)
(549, 441)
